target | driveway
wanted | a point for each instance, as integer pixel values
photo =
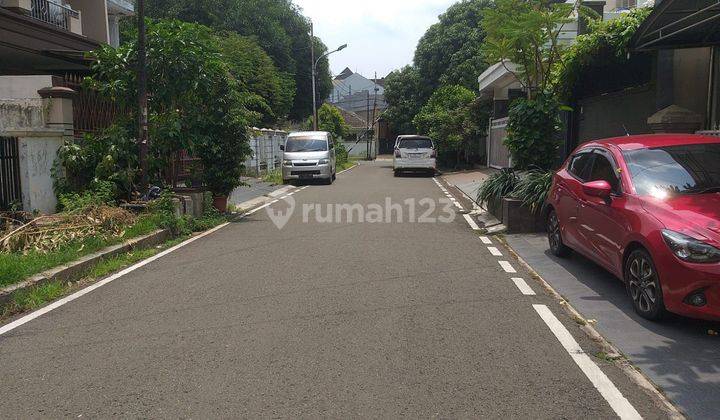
(678, 354)
(323, 318)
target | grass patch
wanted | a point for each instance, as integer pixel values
(344, 165)
(274, 177)
(38, 296)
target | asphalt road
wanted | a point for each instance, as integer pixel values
(313, 320)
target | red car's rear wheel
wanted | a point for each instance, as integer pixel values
(557, 247)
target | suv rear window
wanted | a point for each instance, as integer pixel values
(416, 143)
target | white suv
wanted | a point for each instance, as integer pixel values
(414, 153)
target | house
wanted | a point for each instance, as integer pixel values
(365, 98)
(42, 58)
(499, 83)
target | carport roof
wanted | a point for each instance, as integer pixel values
(679, 24)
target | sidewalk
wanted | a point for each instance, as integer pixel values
(255, 188)
(677, 354)
(468, 181)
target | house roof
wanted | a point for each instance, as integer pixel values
(679, 24)
(344, 74)
(498, 75)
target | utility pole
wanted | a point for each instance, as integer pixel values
(142, 97)
(367, 125)
(314, 72)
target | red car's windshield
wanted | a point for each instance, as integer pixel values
(683, 169)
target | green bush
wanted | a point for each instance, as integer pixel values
(532, 132)
(533, 188)
(105, 162)
(497, 186)
(99, 193)
(341, 154)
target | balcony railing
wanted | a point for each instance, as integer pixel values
(53, 12)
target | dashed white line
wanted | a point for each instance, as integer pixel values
(471, 222)
(507, 267)
(602, 383)
(494, 251)
(525, 289)
(485, 240)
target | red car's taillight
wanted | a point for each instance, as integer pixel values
(397, 153)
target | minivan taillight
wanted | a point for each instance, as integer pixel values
(397, 152)
(433, 154)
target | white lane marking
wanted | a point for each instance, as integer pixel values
(256, 209)
(602, 383)
(507, 267)
(40, 312)
(494, 251)
(525, 289)
(471, 222)
(345, 170)
(485, 240)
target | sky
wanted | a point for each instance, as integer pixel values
(381, 34)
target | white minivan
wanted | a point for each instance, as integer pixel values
(308, 155)
(414, 153)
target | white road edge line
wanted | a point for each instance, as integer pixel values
(485, 240)
(494, 251)
(471, 222)
(67, 299)
(42, 311)
(507, 267)
(602, 383)
(523, 286)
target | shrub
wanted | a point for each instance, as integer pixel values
(497, 186)
(533, 126)
(533, 188)
(341, 154)
(105, 162)
(99, 193)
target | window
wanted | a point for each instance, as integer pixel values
(415, 143)
(686, 169)
(604, 170)
(306, 144)
(579, 165)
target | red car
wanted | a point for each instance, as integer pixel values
(647, 208)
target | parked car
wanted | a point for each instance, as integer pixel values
(309, 155)
(647, 208)
(414, 153)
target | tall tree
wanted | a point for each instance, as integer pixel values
(402, 93)
(277, 25)
(448, 53)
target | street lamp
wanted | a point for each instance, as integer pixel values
(314, 71)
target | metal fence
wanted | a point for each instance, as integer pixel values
(91, 112)
(53, 12)
(266, 154)
(498, 154)
(9, 172)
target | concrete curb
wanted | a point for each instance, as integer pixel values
(624, 364)
(77, 268)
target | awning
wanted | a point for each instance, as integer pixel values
(679, 24)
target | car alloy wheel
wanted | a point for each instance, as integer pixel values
(557, 247)
(643, 285)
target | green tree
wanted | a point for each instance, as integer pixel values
(448, 53)
(195, 103)
(402, 93)
(526, 33)
(330, 119)
(277, 25)
(256, 74)
(451, 118)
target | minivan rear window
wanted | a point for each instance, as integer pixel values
(306, 144)
(416, 143)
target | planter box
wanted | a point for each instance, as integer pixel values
(519, 219)
(495, 207)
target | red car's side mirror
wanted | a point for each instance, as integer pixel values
(600, 189)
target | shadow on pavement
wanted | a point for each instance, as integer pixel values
(678, 354)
